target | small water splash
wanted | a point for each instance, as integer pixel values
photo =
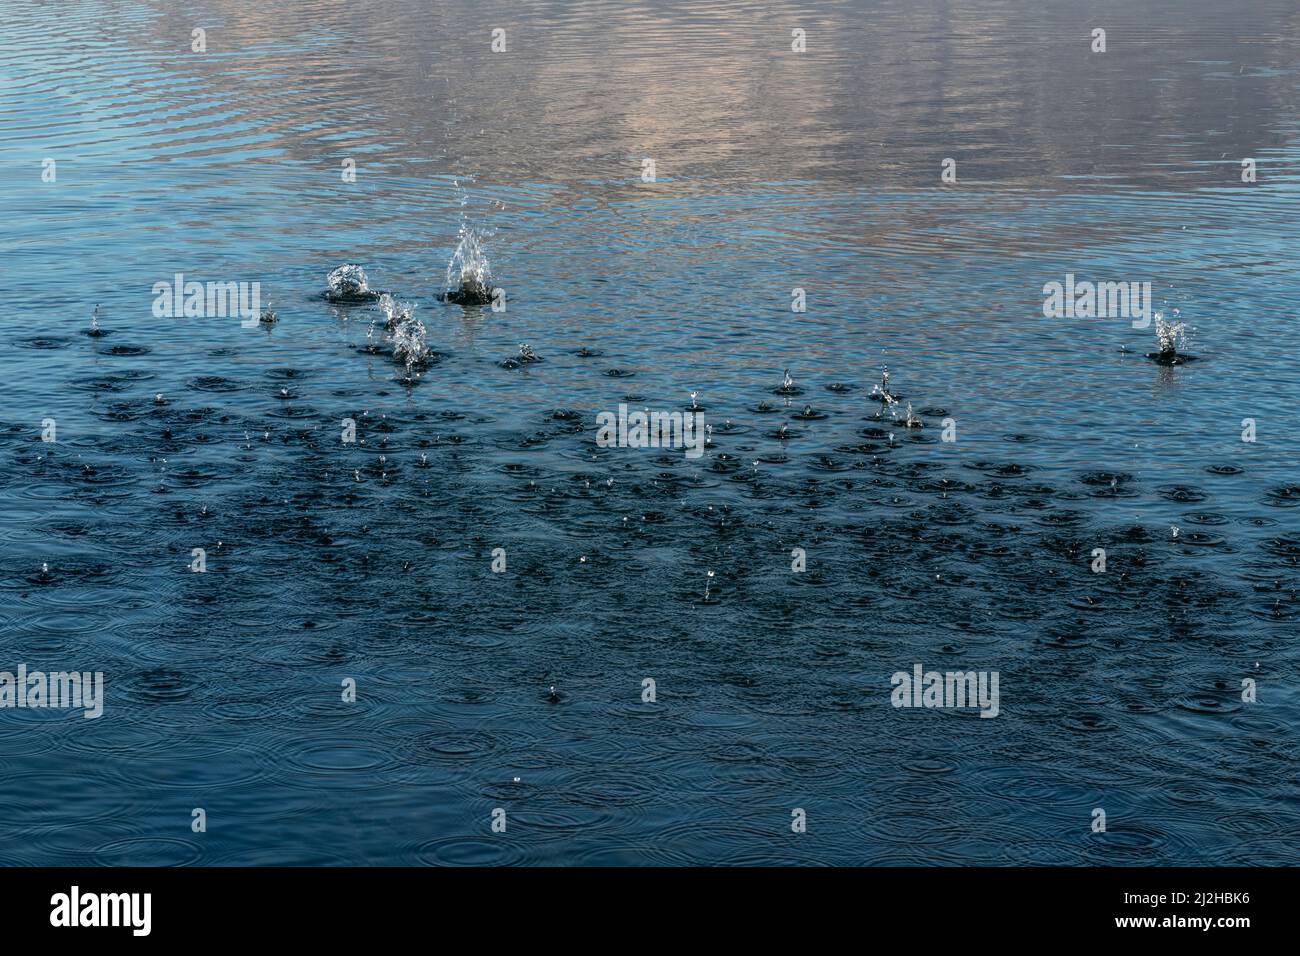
(787, 386)
(95, 331)
(526, 356)
(469, 275)
(348, 284)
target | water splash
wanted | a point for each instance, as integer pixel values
(469, 275)
(394, 312)
(527, 355)
(787, 386)
(95, 331)
(348, 284)
(1171, 335)
(881, 392)
(410, 340)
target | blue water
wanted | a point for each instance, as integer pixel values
(775, 170)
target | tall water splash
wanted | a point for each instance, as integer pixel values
(469, 276)
(394, 311)
(409, 336)
(1172, 338)
(881, 392)
(1171, 335)
(95, 331)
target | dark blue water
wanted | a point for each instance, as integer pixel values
(819, 170)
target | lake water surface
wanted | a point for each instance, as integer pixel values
(774, 170)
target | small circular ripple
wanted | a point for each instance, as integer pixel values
(148, 851)
(502, 849)
(1286, 496)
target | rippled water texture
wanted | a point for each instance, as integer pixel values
(774, 170)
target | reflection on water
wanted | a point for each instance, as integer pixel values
(314, 134)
